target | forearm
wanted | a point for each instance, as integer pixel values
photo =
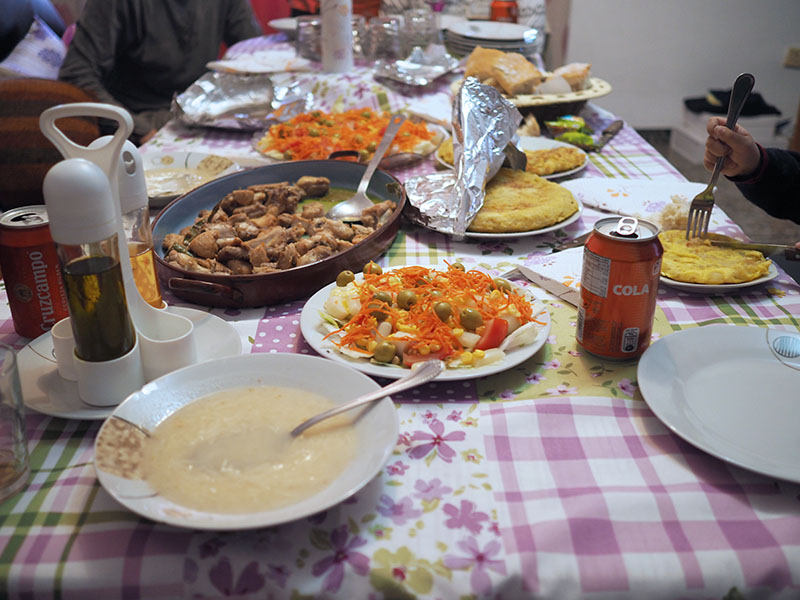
(776, 186)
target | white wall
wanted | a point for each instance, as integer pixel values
(655, 53)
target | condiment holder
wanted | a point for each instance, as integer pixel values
(164, 341)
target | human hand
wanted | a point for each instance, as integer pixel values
(742, 154)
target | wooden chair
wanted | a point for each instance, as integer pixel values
(25, 154)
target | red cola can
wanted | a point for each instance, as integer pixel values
(504, 10)
(619, 284)
(30, 268)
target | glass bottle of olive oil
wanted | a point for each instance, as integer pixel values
(101, 323)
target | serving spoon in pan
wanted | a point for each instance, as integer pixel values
(350, 209)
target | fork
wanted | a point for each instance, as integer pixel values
(700, 209)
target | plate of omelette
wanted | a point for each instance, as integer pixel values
(695, 265)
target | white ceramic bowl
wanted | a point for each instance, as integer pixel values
(377, 428)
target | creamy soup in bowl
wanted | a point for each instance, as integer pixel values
(208, 446)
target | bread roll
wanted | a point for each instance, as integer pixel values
(480, 62)
(576, 74)
(516, 74)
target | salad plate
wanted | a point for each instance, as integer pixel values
(730, 390)
(310, 326)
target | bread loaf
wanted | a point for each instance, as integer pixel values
(480, 63)
(516, 74)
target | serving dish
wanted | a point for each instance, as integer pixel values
(238, 291)
(178, 161)
(44, 391)
(723, 288)
(376, 427)
(309, 326)
(731, 391)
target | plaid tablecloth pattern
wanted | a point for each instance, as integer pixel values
(550, 480)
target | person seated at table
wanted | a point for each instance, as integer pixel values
(767, 177)
(138, 53)
(303, 7)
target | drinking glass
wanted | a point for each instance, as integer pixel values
(308, 42)
(359, 37)
(384, 38)
(420, 28)
(14, 461)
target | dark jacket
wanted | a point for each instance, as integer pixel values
(775, 186)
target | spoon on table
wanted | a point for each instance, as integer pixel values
(350, 209)
(240, 450)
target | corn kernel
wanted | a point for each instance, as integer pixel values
(466, 357)
(371, 345)
(495, 294)
(478, 353)
(480, 329)
(424, 349)
(458, 332)
(406, 328)
(435, 347)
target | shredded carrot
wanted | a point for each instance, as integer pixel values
(316, 135)
(461, 289)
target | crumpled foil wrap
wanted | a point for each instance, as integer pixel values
(484, 123)
(235, 101)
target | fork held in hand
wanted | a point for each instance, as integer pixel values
(700, 209)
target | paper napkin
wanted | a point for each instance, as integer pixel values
(267, 61)
(558, 273)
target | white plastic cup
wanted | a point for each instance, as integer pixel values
(64, 349)
(109, 382)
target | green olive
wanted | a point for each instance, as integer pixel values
(471, 319)
(457, 265)
(377, 310)
(372, 267)
(345, 277)
(406, 299)
(443, 310)
(383, 297)
(502, 284)
(384, 352)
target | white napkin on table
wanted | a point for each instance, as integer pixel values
(558, 273)
(266, 61)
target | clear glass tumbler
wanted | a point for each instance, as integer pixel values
(419, 28)
(384, 38)
(308, 42)
(14, 460)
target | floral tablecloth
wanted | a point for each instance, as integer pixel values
(550, 480)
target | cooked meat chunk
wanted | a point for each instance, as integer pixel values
(243, 197)
(187, 262)
(371, 215)
(314, 187)
(204, 245)
(233, 252)
(170, 240)
(246, 230)
(313, 210)
(224, 230)
(314, 255)
(288, 258)
(258, 256)
(240, 267)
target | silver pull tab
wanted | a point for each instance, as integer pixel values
(627, 227)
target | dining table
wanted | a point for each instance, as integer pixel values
(551, 479)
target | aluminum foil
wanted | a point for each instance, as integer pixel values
(420, 68)
(235, 101)
(484, 124)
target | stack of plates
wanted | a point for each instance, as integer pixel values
(462, 37)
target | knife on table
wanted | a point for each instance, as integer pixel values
(608, 133)
(789, 252)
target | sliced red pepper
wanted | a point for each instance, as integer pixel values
(411, 358)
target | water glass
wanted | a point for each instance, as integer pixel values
(359, 37)
(420, 28)
(308, 42)
(384, 41)
(14, 461)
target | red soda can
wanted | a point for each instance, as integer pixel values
(504, 10)
(30, 268)
(619, 284)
